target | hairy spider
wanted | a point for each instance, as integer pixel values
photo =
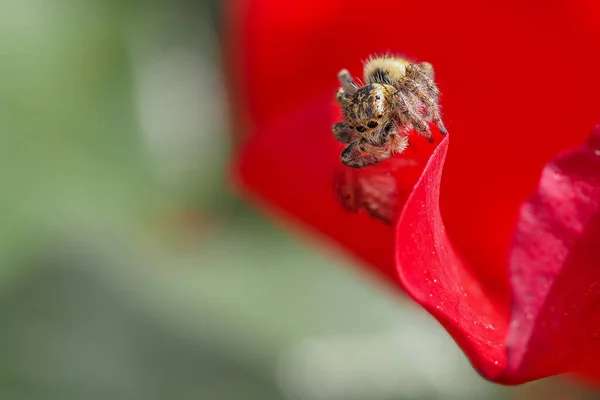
(397, 97)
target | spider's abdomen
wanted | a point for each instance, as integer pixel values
(386, 70)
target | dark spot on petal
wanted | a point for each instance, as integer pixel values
(372, 124)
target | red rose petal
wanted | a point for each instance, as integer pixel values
(555, 270)
(434, 274)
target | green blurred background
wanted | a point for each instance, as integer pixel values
(130, 271)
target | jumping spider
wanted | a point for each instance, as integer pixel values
(397, 97)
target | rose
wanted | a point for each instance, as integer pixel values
(506, 252)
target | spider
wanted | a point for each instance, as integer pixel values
(397, 97)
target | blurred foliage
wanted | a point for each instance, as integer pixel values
(129, 271)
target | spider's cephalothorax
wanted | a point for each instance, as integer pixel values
(398, 96)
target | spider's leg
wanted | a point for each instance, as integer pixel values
(361, 153)
(397, 144)
(407, 115)
(427, 68)
(356, 155)
(423, 73)
(343, 98)
(344, 134)
(347, 82)
(418, 91)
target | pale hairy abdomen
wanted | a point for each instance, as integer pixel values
(392, 67)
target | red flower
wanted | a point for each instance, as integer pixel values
(520, 83)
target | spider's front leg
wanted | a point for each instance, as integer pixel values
(347, 82)
(355, 156)
(343, 98)
(361, 153)
(345, 134)
(408, 116)
(423, 73)
(341, 130)
(412, 87)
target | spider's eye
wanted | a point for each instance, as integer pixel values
(361, 128)
(372, 124)
(388, 127)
